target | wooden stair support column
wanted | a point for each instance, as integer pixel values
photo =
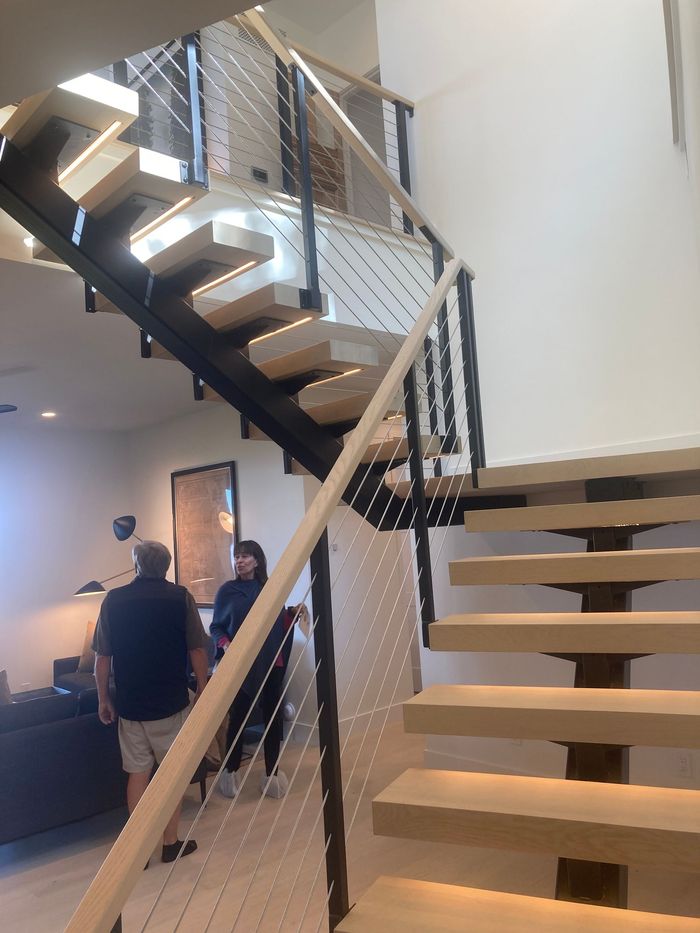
(603, 882)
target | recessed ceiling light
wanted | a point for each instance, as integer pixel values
(28, 241)
(6, 409)
(48, 414)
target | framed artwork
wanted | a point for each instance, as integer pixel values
(205, 522)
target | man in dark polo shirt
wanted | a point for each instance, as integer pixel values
(145, 632)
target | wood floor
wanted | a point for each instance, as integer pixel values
(43, 877)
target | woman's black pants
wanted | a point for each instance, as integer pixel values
(238, 714)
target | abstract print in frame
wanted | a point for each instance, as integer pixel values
(205, 522)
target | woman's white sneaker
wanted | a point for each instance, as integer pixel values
(229, 785)
(277, 787)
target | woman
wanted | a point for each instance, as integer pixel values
(231, 606)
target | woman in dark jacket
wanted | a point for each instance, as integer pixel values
(231, 606)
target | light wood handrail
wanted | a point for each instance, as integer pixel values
(252, 23)
(106, 896)
(347, 130)
(366, 84)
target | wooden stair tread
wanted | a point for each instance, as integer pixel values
(624, 512)
(402, 905)
(203, 256)
(569, 632)
(277, 301)
(593, 567)
(87, 101)
(619, 823)
(462, 484)
(668, 718)
(328, 359)
(332, 356)
(398, 449)
(653, 464)
(339, 412)
(393, 449)
(153, 177)
(225, 245)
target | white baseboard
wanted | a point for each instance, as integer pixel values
(676, 442)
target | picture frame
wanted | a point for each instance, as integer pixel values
(205, 524)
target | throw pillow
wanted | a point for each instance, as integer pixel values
(86, 664)
(5, 693)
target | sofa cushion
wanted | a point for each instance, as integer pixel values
(37, 712)
(75, 682)
(88, 702)
(86, 664)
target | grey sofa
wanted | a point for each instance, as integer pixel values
(65, 675)
(58, 763)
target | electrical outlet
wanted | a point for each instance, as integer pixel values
(685, 764)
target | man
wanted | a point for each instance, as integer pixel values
(145, 631)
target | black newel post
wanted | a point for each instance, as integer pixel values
(420, 512)
(284, 109)
(306, 187)
(197, 169)
(465, 302)
(329, 735)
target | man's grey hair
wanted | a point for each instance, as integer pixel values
(151, 559)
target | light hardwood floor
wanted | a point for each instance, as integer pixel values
(42, 878)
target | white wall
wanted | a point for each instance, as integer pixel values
(544, 155)
(270, 504)
(62, 489)
(374, 621)
(60, 492)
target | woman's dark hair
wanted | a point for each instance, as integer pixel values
(253, 549)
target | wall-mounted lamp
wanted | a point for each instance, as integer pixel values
(95, 588)
(124, 527)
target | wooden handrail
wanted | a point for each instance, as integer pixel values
(255, 23)
(366, 84)
(106, 896)
(347, 130)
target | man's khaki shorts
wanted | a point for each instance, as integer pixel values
(145, 743)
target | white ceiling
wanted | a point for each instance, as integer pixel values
(43, 42)
(86, 367)
(314, 16)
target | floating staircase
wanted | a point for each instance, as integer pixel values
(592, 819)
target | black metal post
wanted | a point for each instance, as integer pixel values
(404, 166)
(465, 303)
(197, 170)
(329, 735)
(431, 396)
(284, 109)
(420, 516)
(120, 73)
(306, 193)
(446, 386)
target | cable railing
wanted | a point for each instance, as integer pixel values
(107, 895)
(321, 165)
